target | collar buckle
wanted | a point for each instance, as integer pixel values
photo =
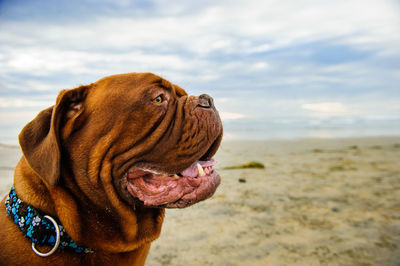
(57, 239)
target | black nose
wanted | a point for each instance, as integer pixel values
(206, 101)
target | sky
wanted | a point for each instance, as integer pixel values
(257, 58)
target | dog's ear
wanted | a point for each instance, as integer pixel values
(41, 138)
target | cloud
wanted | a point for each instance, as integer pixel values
(22, 103)
(326, 108)
(322, 52)
(231, 116)
(225, 26)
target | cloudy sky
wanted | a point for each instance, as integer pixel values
(257, 58)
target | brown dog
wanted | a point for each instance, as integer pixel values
(104, 162)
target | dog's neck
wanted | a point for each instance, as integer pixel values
(111, 229)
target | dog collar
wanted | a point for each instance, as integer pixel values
(39, 228)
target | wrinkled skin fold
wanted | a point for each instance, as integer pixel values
(107, 159)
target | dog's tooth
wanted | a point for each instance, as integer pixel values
(200, 170)
(175, 176)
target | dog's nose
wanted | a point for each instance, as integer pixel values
(206, 101)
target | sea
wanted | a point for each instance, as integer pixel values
(305, 127)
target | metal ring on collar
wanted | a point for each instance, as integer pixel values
(57, 244)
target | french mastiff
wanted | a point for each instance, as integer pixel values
(101, 165)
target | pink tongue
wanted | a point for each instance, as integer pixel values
(192, 171)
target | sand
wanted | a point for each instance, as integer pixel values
(317, 202)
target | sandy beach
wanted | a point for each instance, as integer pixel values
(317, 202)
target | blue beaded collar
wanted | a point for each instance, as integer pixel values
(40, 228)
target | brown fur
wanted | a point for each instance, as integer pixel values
(75, 152)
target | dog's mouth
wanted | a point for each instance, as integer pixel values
(197, 182)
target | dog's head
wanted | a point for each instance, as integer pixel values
(128, 139)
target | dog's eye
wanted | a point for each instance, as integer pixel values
(158, 99)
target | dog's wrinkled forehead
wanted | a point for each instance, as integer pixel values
(138, 82)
